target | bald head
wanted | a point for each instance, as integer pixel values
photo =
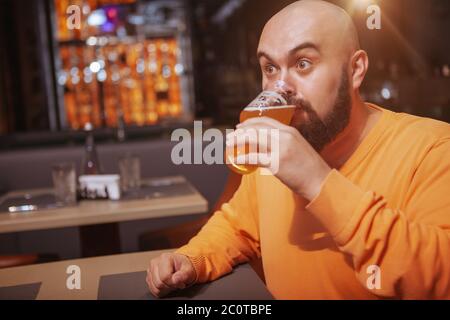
(316, 21)
(313, 47)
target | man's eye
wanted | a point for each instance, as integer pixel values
(304, 64)
(269, 69)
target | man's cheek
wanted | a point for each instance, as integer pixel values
(265, 83)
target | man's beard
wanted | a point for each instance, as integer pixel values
(320, 132)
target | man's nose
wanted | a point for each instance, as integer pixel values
(284, 88)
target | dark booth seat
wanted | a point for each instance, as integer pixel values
(28, 169)
(24, 169)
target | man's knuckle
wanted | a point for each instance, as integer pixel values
(167, 256)
(290, 137)
(165, 277)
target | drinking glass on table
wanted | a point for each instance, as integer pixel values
(130, 172)
(64, 183)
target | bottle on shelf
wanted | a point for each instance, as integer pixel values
(120, 133)
(91, 164)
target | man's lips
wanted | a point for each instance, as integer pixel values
(295, 102)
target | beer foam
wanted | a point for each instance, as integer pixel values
(263, 108)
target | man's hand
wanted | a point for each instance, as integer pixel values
(169, 272)
(300, 167)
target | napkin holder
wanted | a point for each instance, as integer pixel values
(100, 186)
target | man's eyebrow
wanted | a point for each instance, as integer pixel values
(261, 54)
(305, 45)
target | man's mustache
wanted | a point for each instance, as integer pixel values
(314, 118)
(301, 104)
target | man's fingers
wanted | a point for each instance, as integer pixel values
(157, 282)
(151, 286)
(168, 273)
(180, 279)
(258, 159)
(166, 270)
(185, 272)
(258, 137)
(256, 127)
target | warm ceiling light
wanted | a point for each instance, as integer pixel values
(363, 4)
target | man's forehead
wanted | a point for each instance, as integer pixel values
(329, 28)
(280, 40)
(290, 38)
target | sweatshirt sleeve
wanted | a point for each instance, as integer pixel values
(410, 247)
(230, 237)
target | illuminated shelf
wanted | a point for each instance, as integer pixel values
(107, 80)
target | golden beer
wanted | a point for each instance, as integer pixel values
(267, 104)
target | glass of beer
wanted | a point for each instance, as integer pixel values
(266, 104)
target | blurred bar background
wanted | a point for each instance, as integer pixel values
(139, 65)
(135, 70)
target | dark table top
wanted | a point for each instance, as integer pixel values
(120, 277)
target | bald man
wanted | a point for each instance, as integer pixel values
(359, 207)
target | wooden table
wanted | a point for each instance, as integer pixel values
(98, 219)
(53, 277)
(91, 212)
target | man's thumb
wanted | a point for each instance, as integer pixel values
(180, 278)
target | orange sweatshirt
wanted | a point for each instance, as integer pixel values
(388, 206)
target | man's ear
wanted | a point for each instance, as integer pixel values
(359, 65)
